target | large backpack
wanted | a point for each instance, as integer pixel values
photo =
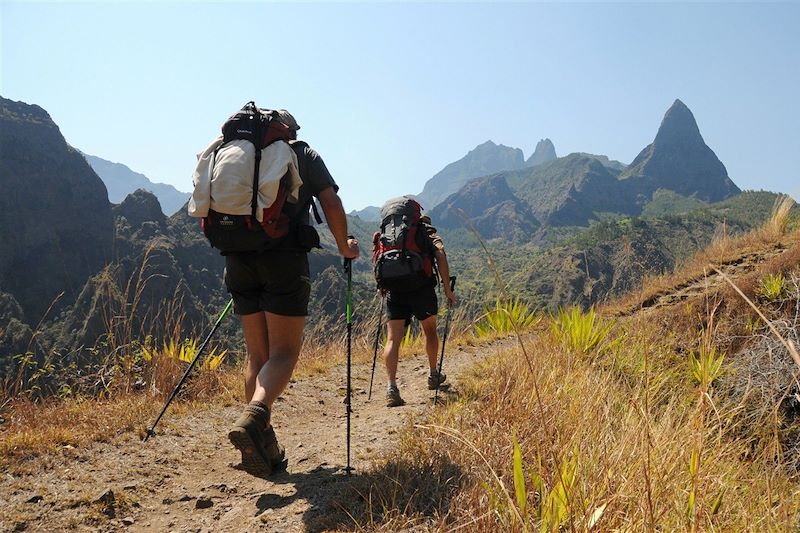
(402, 252)
(247, 137)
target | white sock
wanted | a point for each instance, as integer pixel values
(392, 384)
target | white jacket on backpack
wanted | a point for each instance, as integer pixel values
(224, 182)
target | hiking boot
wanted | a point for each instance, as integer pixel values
(393, 398)
(276, 454)
(436, 379)
(247, 435)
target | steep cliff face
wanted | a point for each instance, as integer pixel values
(57, 226)
(487, 158)
(679, 160)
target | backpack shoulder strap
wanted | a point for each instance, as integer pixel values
(314, 209)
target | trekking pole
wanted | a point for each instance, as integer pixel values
(375, 355)
(348, 268)
(444, 338)
(151, 432)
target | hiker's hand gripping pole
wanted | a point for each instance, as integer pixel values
(348, 268)
(444, 338)
(151, 431)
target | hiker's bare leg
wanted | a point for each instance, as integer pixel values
(256, 338)
(285, 340)
(431, 341)
(391, 353)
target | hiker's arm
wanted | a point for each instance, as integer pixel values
(337, 222)
(444, 273)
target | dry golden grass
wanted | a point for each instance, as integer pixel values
(724, 250)
(35, 429)
(632, 420)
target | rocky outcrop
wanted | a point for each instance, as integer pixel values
(679, 160)
(57, 226)
(491, 207)
(544, 153)
(139, 207)
(487, 158)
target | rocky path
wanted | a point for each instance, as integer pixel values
(185, 479)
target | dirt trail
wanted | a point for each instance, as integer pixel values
(185, 478)
(701, 285)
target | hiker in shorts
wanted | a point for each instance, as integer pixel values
(422, 304)
(270, 291)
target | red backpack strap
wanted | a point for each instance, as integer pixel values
(274, 221)
(376, 246)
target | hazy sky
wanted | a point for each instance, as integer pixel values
(390, 93)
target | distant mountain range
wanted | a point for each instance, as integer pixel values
(121, 181)
(484, 159)
(578, 188)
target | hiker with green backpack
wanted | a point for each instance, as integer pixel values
(407, 255)
(254, 187)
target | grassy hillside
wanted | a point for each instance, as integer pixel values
(674, 408)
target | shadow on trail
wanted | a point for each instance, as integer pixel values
(404, 490)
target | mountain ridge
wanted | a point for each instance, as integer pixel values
(120, 181)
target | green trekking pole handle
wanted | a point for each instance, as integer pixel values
(151, 431)
(444, 339)
(375, 354)
(348, 268)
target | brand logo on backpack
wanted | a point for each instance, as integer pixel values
(402, 252)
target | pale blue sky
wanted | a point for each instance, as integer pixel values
(390, 93)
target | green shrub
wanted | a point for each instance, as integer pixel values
(504, 316)
(772, 287)
(579, 331)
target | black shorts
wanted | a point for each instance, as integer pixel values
(275, 281)
(421, 303)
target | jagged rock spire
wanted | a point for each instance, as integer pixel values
(679, 160)
(544, 153)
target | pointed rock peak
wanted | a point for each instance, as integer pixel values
(544, 153)
(678, 126)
